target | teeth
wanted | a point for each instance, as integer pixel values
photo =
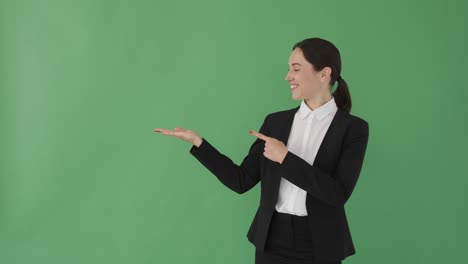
(294, 86)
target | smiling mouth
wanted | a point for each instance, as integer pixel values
(293, 86)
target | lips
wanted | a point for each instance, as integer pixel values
(293, 86)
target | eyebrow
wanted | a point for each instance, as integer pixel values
(297, 64)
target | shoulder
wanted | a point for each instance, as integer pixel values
(356, 125)
(281, 114)
(353, 118)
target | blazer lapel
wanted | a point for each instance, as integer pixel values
(330, 136)
(328, 150)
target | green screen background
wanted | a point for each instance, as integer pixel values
(84, 179)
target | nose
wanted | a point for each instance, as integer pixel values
(287, 78)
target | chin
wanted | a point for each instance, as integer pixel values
(296, 97)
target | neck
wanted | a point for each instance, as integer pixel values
(318, 101)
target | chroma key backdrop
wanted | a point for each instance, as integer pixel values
(84, 179)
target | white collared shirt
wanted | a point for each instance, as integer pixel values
(307, 132)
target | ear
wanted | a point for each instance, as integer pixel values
(325, 74)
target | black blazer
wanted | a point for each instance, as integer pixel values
(329, 182)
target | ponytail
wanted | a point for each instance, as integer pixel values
(342, 96)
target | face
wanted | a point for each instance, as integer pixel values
(305, 82)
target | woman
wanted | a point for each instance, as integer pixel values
(308, 160)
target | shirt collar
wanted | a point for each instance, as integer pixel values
(329, 107)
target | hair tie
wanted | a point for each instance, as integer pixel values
(339, 77)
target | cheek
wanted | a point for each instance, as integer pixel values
(304, 81)
(310, 81)
(299, 78)
(307, 84)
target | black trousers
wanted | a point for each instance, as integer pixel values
(288, 242)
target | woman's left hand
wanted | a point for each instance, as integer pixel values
(275, 150)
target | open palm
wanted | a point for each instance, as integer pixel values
(183, 134)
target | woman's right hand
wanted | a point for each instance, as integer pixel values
(184, 134)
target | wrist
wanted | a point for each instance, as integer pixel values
(197, 142)
(284, 156)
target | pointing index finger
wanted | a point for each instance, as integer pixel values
(259, 135)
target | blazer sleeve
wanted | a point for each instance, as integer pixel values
(239, 178)
(334, 189)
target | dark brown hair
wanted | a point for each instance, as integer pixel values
(322, 53)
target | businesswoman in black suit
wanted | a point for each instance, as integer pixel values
(308, 160)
